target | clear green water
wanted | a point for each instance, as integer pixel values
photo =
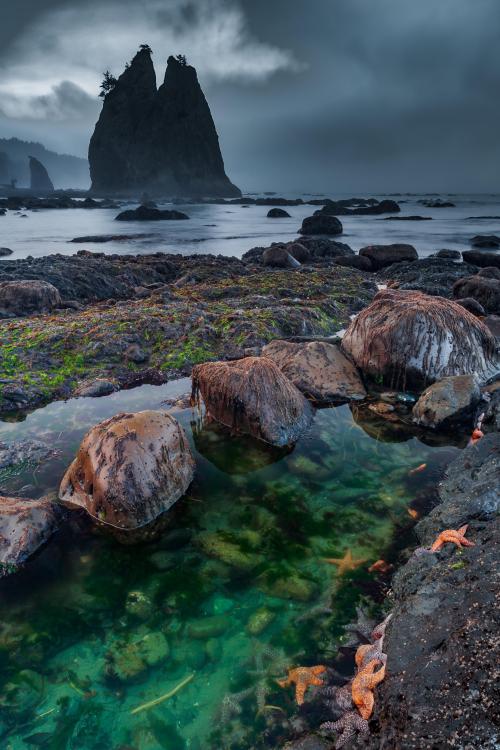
(233, 592)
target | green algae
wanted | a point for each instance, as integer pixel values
(235, 591)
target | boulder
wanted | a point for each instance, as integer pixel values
(354, 261)
(95, 388)
(24, 526)
(364, 208)
(485, 240)
(26, 297)
(481, 258)
(484, 290)
(129, 469)
(277, 213)
(448, 254)
(321, 224)
(39, 177)
(322, 247)
(449, 400)
(5, 251)
(318, 369)
(279, 257)
(434, 276)
(472, 306)
(299, 251)
(381, 256)
(412, 339)
(143, 213)
(253, 396)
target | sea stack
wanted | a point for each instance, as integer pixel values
(39, 177)
(162, 141)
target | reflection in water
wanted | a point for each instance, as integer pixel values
(235, 590)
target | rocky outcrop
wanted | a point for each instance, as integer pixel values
(253, 396)
(306, 249)
(481, 258)
(27, 297)
(449, 400)
(434, 276)
(349, 208)
(24, 526)
(409, 338)
(278, 256)
(5, 252)
(381, 256)
(321, 224)
(144, 213)
(484, 287)
(129, 470)
(440, 687)
(354, 261)
(161, 141)
(318, 369)
(39, 177)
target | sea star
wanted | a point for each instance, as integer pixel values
(303, 677)
(456, 536)
(367, 653)
(346, 563)
(378, 631)
(347, 725)
(363, 684)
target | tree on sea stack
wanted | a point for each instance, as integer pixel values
(108, 84)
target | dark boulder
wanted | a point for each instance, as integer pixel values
(39, 177)
(472, 306)
(381, 256)
(28, 297)
(481, 259)
(142, 213)
(354, 261)
(485, 240)
(299, 251)
(351, 208)
(321, 224)
(447, 254)
(434, 276)
(484, 290)
(278, 213)
(324, 248)
(5, 251)
(438, 203)
(279, 257)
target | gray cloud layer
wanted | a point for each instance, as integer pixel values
(335, 95)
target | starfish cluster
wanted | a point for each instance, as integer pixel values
(356, 698)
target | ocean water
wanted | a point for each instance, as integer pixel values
(178, 643)
(232, 230)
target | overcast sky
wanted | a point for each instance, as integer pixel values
(324, 95)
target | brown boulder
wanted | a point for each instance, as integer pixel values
(381, 256)
(448, 400)
(26, 297)
(481, 258)
(24, 526)
(483, 289)
(129, 469)
(355, 261)
(410, 338)
(279, 257)
(318, 369)
(253, 396)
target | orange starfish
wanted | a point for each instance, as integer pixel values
(345, 563)
(363, 684)
(455, 536)
(381, 566)
(303, 677)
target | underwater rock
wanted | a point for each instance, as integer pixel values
(129, 469)
(259, 620)
(319, 370)
(409, 338)
(23, 452)
(208, 627)
(253, 396)
(227, 552)
(131, 660)
(293, 586)
(449, 399)
(24, 526)
(138, 604)
(27, 297)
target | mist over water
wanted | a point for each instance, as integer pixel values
(232, 230)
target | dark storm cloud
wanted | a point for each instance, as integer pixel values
(333, 95)
(66, 101)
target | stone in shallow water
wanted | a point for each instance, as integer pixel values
(318, 369)
(208, 627)
(24, 526)
(130, 661)
(447, 400)
(130, 469)
(253, 396)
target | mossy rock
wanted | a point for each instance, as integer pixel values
(288, 587)
(228, 552)
(138, 605)
(259, 620)
(208, 627)
(131, 661)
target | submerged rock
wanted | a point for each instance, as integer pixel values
(277, 213)
(450, 399)
(130, 469)
(28, 297)
(24, 526)
(130, 661)
(253, 396)
(321, 224)
(409, 338)
(39, 177)
(143, 213)
(381, 256)
(319, 370)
